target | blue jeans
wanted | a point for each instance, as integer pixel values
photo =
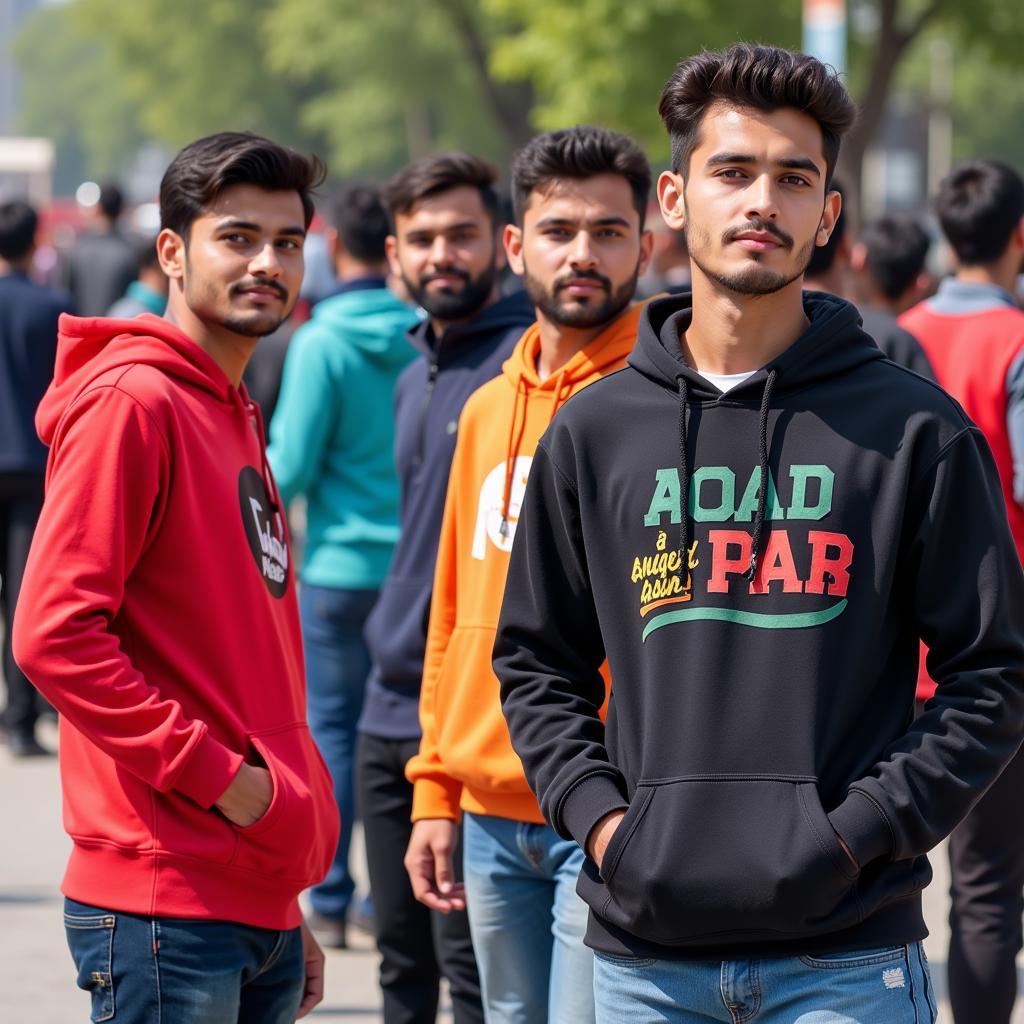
(337, 664)
(527, 922)
(159, 970)
(877, 986)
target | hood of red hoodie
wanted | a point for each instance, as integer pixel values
(88, 347)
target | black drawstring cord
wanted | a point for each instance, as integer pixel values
(762, 494)
(684, 481)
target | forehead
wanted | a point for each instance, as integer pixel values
(581, 200)
(766, 135)
(440, 211)
(272, 210)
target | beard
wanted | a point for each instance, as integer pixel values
(453, 303)
(754, 279)
(576, 313)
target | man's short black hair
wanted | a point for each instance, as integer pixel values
(361, 222)
(979, 205)
(580, 152)
(111, 201)
(760, 77)
(18, 223)
(823, 256)
(895, 248)
(206, 167)
(442, 172)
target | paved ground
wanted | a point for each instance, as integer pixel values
(36, 979)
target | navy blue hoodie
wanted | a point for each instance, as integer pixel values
(762, 641)
(429, 396)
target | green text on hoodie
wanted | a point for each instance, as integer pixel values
(762, 641)
(333, 432)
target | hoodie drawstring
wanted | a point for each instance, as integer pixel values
(557, 400)
(684, 474)
(762, 494)
(268, 477)
(514, 441)
(684, 477)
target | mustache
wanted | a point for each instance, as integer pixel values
(583, 275)
(242, 286)
(458, 272)
(757, 224)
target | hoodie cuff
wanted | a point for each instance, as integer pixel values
(863, 827)
(586, 804)
(436, 798)
(208, 771)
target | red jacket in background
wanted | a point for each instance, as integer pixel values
(158, 615)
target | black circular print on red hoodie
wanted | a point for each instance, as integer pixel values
(265, 531)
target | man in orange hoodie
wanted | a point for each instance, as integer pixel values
(579, 242)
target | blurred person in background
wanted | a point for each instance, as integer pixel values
(103, 262)
(830, 270)
(331, 441)
(887, 276)
(148, 292)
(28, 346)
(445, 247)
(973, 333)
(669, 268)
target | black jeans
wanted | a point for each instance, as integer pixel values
(986, 861)
(417, 945)
(21, 498)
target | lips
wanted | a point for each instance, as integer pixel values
(758, 241)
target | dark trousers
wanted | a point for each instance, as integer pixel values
(21, 498)
(986, 860)
(417, 946)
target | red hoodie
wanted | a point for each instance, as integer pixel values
(158, 615)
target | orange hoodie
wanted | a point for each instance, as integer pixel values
(466, 759)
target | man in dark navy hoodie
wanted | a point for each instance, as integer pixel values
(755, 522)
(445, 248)
(28, 347)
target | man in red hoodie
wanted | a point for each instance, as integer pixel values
(158, 615)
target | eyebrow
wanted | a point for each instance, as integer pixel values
(462, 225)
(547, 222)
(248, 225)
(791, 163)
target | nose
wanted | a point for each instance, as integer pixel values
(760, 198)
(440, 252)
(266, 262)
(581, 254)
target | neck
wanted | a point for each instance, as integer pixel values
(21, 266)
(559, 344)
(1003, 273)
(440, 326)
(230, 351)
(349, 269)
(732, 333)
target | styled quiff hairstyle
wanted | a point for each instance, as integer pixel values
(580, 152)
(760, 77)
(432, 175)
(208, 166)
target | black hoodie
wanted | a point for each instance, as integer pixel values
(755, 714)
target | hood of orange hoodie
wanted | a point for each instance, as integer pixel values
(88, 347)
(609, 348)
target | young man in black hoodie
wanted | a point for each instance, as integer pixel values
(755, 522)
(445, 247)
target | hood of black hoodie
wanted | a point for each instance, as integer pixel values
(832, 344)
(511, 311)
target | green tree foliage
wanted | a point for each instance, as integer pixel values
(605, 61)
(73, 95)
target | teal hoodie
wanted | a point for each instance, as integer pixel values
(332, 434)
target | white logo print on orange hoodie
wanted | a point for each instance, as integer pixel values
(489, 519)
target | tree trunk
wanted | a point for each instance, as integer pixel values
(890, 47)
(510, 104)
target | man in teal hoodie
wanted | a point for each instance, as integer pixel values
(331, 441)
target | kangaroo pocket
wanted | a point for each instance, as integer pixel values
(724, 858)
(296, 838)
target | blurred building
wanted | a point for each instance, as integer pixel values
(12, 14)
